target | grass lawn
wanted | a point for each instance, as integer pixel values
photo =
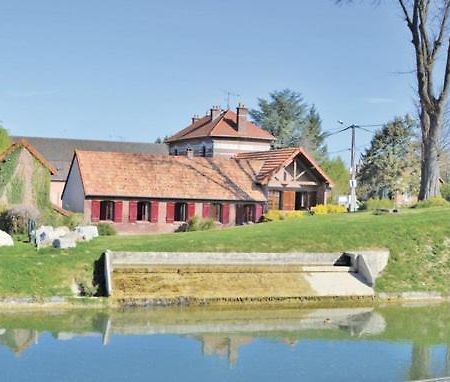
(419, 241)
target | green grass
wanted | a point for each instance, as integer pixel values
(419, 241)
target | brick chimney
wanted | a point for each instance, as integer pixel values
(241, 112)
(215, 112)
(195, 118)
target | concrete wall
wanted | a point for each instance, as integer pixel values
(73, 198)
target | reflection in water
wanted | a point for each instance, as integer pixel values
(225, 331)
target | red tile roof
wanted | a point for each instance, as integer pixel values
(26, 145)
(273, 160)
(224, 126)
(116, 174)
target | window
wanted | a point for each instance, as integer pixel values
(107, 210)
(175, 152)
(143, 211)
(215, 212)
(180, 212)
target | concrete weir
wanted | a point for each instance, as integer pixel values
(141, 278)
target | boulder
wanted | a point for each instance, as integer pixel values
(43, 236)
(5, 240)
(87, 232)
(60, 231)
(66, 241)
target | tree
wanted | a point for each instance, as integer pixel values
(161, 140)
(391, 163)
(339, 174)
(289, 119)
(5, 140)
(427, 21)
(313, 139)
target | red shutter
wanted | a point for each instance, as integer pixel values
(95, 210)
(170, 212)
(132, 212)
(205, 212)
(190, 211)
(118, 212)
(258, 212)
(225, 213)
(154, 211)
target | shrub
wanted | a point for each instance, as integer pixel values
(73, 220)
(445, 191)
(275, 215)
(432, 202)
(326, 209)
(373, 204)
(105, 229)
(197, 224)
(15, 219)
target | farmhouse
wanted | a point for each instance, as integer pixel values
(221, 167)
(24, 176)
(59, 153)
(143, 193)
(220, 133)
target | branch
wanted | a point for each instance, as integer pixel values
(438, 42)
(405, 12)
(444, 94)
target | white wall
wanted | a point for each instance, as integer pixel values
(73, 198)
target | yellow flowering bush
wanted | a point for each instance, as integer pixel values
(322, 209)
(275, 215)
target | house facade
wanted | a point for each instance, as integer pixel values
(220, 133)
(59, 153)
(141, 193)
(24, 176)
(290, 178)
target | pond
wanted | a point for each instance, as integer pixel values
(234, 343)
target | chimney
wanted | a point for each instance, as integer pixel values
(195, 118)
(215, 112)
(241, 112)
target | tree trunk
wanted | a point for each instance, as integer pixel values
(431, 124)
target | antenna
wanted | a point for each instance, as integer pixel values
(229, 95)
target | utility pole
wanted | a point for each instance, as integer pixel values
(352, 202)
(353, 205)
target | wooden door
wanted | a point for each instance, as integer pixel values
(289, 200)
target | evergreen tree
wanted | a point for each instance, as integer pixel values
(289, 119)
(313, 138)
(392, 162)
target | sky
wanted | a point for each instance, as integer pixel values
(136, 70)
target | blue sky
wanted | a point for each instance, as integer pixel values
(135, 70)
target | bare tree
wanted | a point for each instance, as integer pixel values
(427, 21)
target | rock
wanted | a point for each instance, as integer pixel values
(5, 240)
(87, 232)
(43, 236)
(67, 241)
(60, 231)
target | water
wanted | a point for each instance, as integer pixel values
(227, 344)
